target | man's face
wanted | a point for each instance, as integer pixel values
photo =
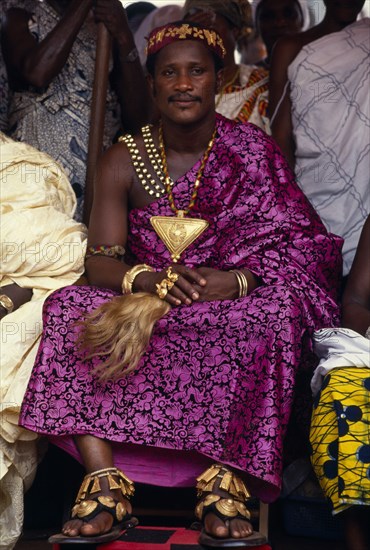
(277, 18)
(185, 81)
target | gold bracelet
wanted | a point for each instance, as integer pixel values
(6, 302)
(129, 277)
(242, 282)
(115, 251)
(243, 285)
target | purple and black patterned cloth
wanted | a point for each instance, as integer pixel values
(217, 380)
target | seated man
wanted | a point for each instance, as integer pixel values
(227, 272)
(42, 249)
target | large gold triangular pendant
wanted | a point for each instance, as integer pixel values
(177, 232)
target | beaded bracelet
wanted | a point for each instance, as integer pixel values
(242, 282)
(115, 251)
(129, 277)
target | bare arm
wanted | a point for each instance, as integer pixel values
(356, 299)
(279, 97)
(108, 220)
(128, 76)
(32, 63)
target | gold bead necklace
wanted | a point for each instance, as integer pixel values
(154, 155)
(147, 181)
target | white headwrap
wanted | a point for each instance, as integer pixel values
(304, 8)
(156, 18)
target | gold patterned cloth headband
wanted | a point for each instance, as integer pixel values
(174, 32)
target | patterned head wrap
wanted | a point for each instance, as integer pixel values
(238, 12)
(301, 3)
(174, 32)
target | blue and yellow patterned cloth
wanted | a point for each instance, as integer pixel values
(340, 437)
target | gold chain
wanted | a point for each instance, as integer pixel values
(197, 180)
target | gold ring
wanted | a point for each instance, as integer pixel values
(166, 284)
(173, 277)
(161, 291)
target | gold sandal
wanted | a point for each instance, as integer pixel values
(218, 479)
(87, 508)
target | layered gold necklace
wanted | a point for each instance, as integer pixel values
(178, 232)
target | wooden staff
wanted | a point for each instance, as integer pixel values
(97, 117)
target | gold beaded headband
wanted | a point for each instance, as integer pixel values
(173, 32)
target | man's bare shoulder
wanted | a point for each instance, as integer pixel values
(115, 167)
(135, 144)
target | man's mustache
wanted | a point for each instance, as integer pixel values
(184, 97)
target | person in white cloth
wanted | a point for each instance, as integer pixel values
(341, 414)
(319, 109)
(42, 249)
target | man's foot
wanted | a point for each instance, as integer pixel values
(100, 524)
(234, 528)
(102, 510)
(221, 509)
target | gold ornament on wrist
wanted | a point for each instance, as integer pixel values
(242, 282)
(131, 274)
